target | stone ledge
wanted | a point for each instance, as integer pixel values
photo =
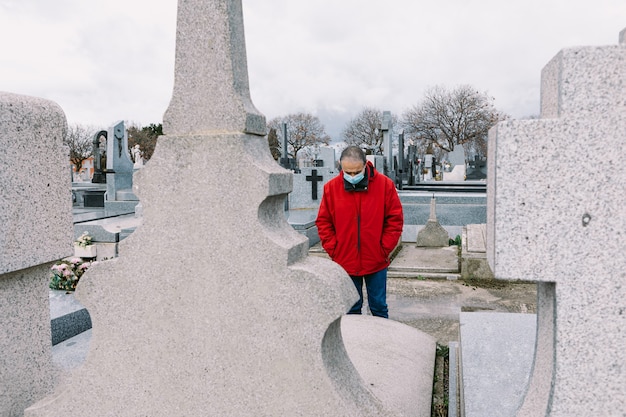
(474, 253)
(496, 356)
(396, 362)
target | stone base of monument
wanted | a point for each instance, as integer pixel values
(414, 262)
(303, 222)
(121, 205)
(474, 252)
(396, 362)
(68, 317)
(496, 352)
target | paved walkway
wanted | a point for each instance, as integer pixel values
(423, 291)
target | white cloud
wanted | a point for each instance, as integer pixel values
(108, 60)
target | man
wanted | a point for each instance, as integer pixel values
(359, 223)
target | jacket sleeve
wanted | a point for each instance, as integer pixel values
(325, 224)
(394, 220)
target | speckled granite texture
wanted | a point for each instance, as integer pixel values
(230, 317)
(556, 215)
(36, 219)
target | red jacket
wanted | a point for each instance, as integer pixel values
(360, 229)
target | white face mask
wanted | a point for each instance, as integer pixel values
(354, 180)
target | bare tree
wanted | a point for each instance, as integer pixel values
(364, 130)
(146, 137)
(303, 131)
(79, 140)
(445, 118)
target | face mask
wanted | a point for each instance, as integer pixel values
(353, 180)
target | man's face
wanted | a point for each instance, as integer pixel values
(352, 167)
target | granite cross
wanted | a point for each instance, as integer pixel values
(579, 357)
(314, 178)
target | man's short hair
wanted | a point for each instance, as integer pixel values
(353, 152)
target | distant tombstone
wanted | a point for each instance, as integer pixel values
(36, 219)
(412, 166)
(120, 168)
(564, 229)
(378, 161)
(99, 157)
(429, 167)
(327, 156)
(456, 171)
(387, 130)
(477, 169)
(119, 164)
(308, 187)
(137, 157)
(432, 235)
(457, 156)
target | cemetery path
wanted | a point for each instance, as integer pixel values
(433, 306)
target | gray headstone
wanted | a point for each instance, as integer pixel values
(36, 219)
(564, 228)
(387, 130)
(378, 161)
(457, 156)
(306, 186)
(327, 155)
(119, 167)
(213, 306)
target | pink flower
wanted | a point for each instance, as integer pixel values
(84, 265)
(67, 272)
(75, 260)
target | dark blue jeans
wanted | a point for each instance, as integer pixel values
(376, 285)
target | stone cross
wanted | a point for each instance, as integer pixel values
(565, 229)
(213, 306)
(314, 178)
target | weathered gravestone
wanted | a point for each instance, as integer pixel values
(565, 229)
(36, 230)
(119, 175)
(432, 235)
(305, 199)
(457, 161)
(386, 128)
(214, 308)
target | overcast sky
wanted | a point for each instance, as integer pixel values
(109, 60)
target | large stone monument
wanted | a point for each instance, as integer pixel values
(565, 229)
(36, 219)
(213, 306)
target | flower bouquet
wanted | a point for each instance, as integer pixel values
(67, 272)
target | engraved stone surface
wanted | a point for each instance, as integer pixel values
(556, 216)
